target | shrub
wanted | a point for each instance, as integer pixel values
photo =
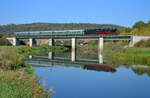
(4, 41)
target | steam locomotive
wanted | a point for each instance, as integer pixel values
(100, 32)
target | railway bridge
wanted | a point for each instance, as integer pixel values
(70, 35)
(61, 35)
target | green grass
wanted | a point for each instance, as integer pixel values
(135, 55)
(19, 84)
(10, 58)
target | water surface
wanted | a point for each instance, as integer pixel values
(88, 78)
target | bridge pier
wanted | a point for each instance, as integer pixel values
(51, 42)
(73, 57)
(30, 42)
(101, 43)
(15, 41)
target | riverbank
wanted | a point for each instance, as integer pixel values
(16, 77)
(125, 55)
(19, 84)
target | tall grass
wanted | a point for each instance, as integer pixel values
(18, 84)
(10, 58)
(126, 55)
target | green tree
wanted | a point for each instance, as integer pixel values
(139, 24)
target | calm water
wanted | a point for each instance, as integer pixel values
(90, 79)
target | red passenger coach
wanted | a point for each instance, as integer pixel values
(100, 32)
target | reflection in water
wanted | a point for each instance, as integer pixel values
(63, 59)
(102, 67)
(51, 55)
(88, 64)
(140, 69)
(89, 76)
(73, 55)
(100, 57)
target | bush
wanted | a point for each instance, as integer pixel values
(4, 41)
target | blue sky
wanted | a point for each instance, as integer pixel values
(120, 12)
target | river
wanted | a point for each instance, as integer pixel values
(89, 76)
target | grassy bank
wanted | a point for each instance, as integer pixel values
(126, 55)
(16, 77)
(13, 57)
(19, 84)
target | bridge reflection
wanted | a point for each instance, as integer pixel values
(74, 55)
(50, 60)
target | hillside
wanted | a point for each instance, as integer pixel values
(10, 28)
(139, 28)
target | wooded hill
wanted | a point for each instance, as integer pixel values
(139, 28)
(10, 28)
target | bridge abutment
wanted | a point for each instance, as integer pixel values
(136, 39)
(14, 41)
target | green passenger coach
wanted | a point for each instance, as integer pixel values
(50, 33)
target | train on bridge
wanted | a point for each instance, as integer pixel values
(88, 32)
